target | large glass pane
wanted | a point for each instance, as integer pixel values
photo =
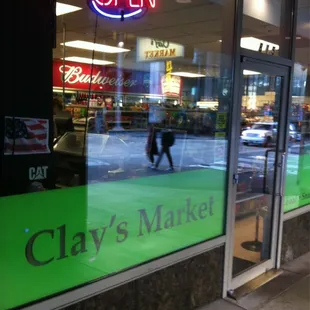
(267, 26)
(260, 105)
(298, 166)
(140, 126)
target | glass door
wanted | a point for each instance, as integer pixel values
(260, 169)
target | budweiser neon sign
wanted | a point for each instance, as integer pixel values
(75, 75)
(81, 77)
(121, 9)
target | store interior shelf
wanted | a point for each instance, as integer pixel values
(81, 106)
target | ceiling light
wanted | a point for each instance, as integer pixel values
(254, 44)
(95, 47)
(120, 39)
(89, 60)
(62, 8)
(249, 72)
(187, 74)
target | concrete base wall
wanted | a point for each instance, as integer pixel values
(184, 286)
(296, 238)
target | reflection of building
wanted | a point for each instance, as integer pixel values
(125, 236)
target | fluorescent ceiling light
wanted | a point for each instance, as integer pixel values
(187, 74)
(62, 8)
(253, 44)
(95, 47)
(249, 72)
(89, 60)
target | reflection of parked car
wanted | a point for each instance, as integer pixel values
(265, 133)
(102, 154)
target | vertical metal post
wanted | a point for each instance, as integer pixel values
(235, 9)
(293, 14)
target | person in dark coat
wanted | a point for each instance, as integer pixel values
(167, 141)
(151, 145)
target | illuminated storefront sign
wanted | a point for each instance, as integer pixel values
(121, 9)
(171, 85)
(149, 49)
(105, 78)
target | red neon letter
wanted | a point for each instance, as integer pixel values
(135, 5)
(152, 3)
(141, 3)
(107, 2)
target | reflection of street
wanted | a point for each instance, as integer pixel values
(256, 156)
(190, 153)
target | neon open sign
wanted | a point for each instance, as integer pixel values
(121, 9)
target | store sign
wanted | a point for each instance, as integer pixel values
(121, 9)
(76, 233)
(102, 78)
(149, 49)
(74, 75)
(221, 121)
(38, 173)
(107, 79)
(170, 84)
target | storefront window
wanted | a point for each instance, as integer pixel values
(141, 111)
(298, 166)
(267, 26)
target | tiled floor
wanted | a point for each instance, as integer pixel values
(245, 231)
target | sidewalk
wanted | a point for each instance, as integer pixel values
(289, 291)
(296, 298)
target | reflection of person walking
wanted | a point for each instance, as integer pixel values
(167, 140)
(151, 145)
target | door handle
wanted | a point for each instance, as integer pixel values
(266, 170)
(283, 172)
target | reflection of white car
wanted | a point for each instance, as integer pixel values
(264, 133)
(259, 133)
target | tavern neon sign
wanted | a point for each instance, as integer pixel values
(121, 9)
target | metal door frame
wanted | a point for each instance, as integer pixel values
(259, 65)
(234, 135)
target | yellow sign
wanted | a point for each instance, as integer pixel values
(220, 135)
(155, 54)
(221, 120)
(168, 70)
(169, 66)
